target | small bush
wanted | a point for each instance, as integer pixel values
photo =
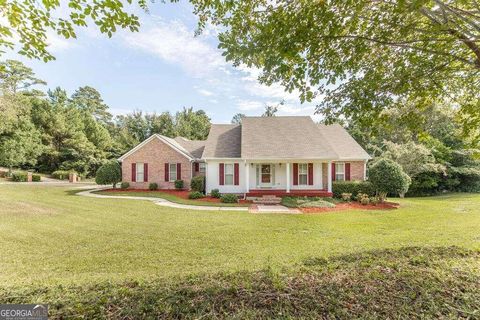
(153, 186)
(229, 198)
(125, 185)
(215, 193)
(317, 204)
(36, 178)
(198, 184)
(195, 195)
(346, 196)
(353, 187)
(387, 177)
(374, 200)
(109, 173)
(179, 184)
(19, 176)
(62, 174)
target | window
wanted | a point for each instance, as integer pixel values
(339, 171)
(140, 173)
(173, 171)
(228, 169)
(201, 167)
(302, 174)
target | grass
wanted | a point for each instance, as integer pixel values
(171, 197)
(110, 258)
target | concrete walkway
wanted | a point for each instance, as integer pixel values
(161, 202)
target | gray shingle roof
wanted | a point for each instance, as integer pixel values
(342, 142)
(224, 141)
(284, 138)
(194, 147)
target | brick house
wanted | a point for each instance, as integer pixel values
(261, 156)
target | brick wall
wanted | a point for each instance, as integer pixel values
(356, 172)
(156, 153)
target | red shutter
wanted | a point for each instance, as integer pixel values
(236, 174)
(167, 173)
(295, 174)
(179, 171)
(333, 171)
(347, 171)
(197, 167)
(310, 174)
(134, 172)
(145, 172)
(221, 174)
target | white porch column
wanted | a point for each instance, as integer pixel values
(287, 166)
(329, 176)
(365, 170)
(247, 177)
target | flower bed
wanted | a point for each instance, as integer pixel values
(353, 206)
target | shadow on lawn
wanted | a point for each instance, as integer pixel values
(403, 283)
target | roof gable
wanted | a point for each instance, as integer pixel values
(224, 141)
(343, 143)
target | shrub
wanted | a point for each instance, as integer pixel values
(229, 198)
(317, 204)
(195, 195)
(198, 184)
(62, 174)
(346, 196)
(19, 176)
(36, 178)
(125, 185)
(215, 193)
(353, 187)
(387, 177)
(153, 186)
(109, 173)
(179, 184)
(374, 200)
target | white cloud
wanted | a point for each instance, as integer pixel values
(215, 101)
(174, 43)
(250, 105)
(204, 92)
(58, 43)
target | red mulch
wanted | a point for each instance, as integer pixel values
(177, 193)
(353, 205)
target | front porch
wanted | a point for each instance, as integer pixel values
(284, 193)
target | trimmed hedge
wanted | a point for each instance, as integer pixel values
(353, 187)
(19, 176)
(215, 193)
(179, 184)
(153, 186)
(125, 185)
(198, 184)
(229, 198)
(36, 178)
(195, 195)
(62, 174)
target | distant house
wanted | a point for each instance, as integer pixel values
(261, 156)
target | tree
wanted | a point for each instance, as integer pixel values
(15, 76)
(362, 57)
(89, 99)
(109, 173)
(388, 176)
(193, 125)
(30, 21)
(270, 111)
(163, 124)
(237, 118)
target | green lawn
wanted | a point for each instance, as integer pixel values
(171, 197)
(125, 258)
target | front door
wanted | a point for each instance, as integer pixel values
(265, 175)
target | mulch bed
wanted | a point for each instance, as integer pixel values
(177, 193)
(353, 205)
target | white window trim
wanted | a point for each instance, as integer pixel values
(170, 172)
(225, 174)
(301, 174)
(200, 165)
(139, 165)
(338, 172)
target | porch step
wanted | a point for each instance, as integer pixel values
(266, 199)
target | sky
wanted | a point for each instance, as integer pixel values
(163, 67)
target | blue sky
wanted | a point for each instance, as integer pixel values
(161, 68)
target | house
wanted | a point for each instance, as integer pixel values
(261, 156)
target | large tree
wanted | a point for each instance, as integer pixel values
(193, 125)
(360, 57)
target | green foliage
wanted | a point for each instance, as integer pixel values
(193, 125)
(36, 178)
(307, 202)
(153, 186)
(317, 204)
(362, 57)
(19, 176)
(179, 184)
(388, 176)
(109, 173)
(229, 198)
(237, 118)
(198, 184)
(195, 195)
(124, 185)
(215, 193)
(353, 187)
(62, 174)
